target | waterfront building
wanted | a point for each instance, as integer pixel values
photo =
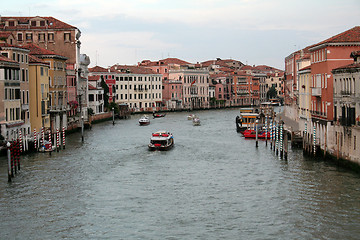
(39, 93)
(345, 137)
(325, 56)
(195, 86)
(172, 94)
(96, 95)
(108, 76)
(163, 66)
(10, 101)
(275, 80)
(54, 35)
(138, 87)
(20, 55)
(304, 107)
(57, 84)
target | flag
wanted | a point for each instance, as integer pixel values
(192, 83)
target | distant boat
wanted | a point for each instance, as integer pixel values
(161, 140)
(144, 120)
(196, 121)
(159, 115)
(191, 116)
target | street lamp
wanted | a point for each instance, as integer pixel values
(9, 161)
(82, 128)
(256, 129)
(113, 116)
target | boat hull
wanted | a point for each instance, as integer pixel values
(252, 134)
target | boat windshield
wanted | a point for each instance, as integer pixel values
(162, 142)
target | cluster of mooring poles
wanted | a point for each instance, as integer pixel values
(278, 137)
(16, 147)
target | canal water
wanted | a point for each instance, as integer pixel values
(213, 184)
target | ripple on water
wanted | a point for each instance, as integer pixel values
(212, 185)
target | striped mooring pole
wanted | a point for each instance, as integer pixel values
(314, 140)
(42, 136)
(57, 139)
(281, 140)
(274, 134)
(50, 143)
(63, 137)
(35, 139)
(277, 138)
(271, 134)
(20, 140)
(266, 130)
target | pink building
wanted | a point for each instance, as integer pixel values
(172, 94)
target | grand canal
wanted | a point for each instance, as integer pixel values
(212, 185)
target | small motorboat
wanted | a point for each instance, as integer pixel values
(196, 121)
(144, 120)
(161, 140)
(190, 117)
(159, 115)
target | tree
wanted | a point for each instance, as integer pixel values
(106, 93)
(271, 93)
(115, 106)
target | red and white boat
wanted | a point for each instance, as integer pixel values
(161, 140)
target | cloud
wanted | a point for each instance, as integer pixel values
(122, 47)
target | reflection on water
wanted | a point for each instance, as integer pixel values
(212, 185)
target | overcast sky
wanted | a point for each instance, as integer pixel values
(254, 32)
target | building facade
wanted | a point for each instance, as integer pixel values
(10, 104)
(345, 140)
(195, 87)
(39, 93)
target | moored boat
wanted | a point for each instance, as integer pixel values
(251, 133)
(144, 120)
(246, 119)
(161, 140)
(47, 147)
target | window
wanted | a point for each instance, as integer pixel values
(20, 37)
(41, 71)
(11, 23)
(67, 37)
(33, 23)
(51, 37)
(28, 36)
(41, 37)
(91, 97)
(42, 23)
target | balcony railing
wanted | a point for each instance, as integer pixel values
(24, 107)
(316, 92)
(345, 93)
(318, 114)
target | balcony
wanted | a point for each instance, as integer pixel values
(345, 93)
(24, 107)
(59, 108)
(318, 114)
(316, 91)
